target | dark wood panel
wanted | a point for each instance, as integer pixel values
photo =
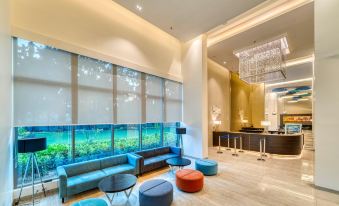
(275, 143)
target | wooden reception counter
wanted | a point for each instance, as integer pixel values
(283, 144)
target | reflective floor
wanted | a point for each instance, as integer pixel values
(241, 180)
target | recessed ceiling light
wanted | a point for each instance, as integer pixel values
(303, 99)
(139, 7)
(225, 62)
(299, 94)
(290, 82)
(286, 97)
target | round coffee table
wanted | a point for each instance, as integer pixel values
(117, 183)
(178, 162)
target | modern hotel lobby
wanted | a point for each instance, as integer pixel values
(159, 103)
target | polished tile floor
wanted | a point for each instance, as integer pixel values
(242, 180)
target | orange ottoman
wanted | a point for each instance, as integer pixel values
(189, 180)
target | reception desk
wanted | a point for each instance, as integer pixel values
(283, 144)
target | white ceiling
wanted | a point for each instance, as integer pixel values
(188, 18)
(296, 72)
(297, 24)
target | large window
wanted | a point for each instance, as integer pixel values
(76, 143)
(170, 137)
(126, 138)
(151, 135)
(92, 141)
(58, 152)
(88, 108)
(54, 87)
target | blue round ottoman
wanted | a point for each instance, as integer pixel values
(91, 202)
(155, 193)
(207, 167)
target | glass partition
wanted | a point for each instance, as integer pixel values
(92, 141)
(68, 144)
(151, 135)
(126, 138)
(170, 136)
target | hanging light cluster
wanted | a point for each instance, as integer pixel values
(263, 62)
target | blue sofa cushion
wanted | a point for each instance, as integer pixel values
(119, 169)
(176, 150)
(146, 153)
(113, 161)
(167, 156)
(82, 167)
(85, 181)
(155, 158)
(152, 160)
(162, 150)
(153, 163)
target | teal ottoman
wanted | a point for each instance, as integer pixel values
(91, 202)
(207, 167)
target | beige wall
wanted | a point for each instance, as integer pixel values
(195, 114)
(247, 102)
(304, 107)
(240, 98)
(100, 29)
(6, 142)
(219, 94)
(257, 104)
(326, 97)
(276, 106)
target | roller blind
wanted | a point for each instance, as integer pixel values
(154, 99)
(173, 101)
(95, 93)
(42, 85)
(128, 96)
(54, 87)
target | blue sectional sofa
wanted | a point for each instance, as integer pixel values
(152, 159)
(79, 177)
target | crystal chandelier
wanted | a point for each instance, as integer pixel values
(263, 62)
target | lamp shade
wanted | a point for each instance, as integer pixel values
(217, 122)
(265, 123)
(28, 145)
(181, 130)
(245, 121)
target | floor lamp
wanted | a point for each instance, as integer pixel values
(180, 131)
(31, 146)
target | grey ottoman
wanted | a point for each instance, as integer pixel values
(156, 193)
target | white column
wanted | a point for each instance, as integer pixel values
(271, 110)
(195, 114)
(326, 101)
(6, 160)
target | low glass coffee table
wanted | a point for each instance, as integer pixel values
(117, 183)
(178, 162)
